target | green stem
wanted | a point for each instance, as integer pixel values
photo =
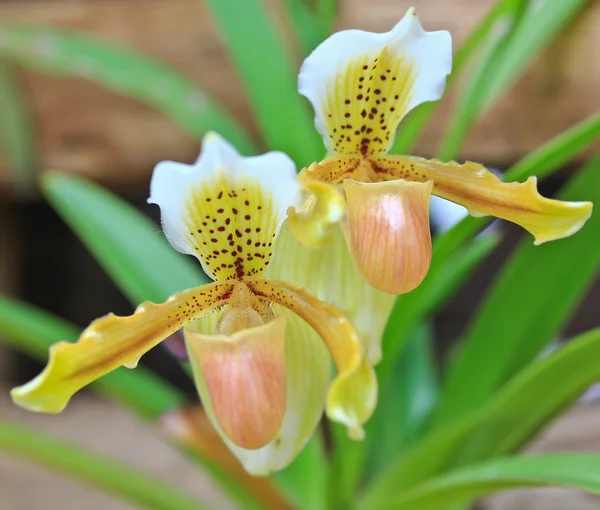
(107, 475)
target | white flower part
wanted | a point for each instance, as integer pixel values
(225, 209)
(355, 74)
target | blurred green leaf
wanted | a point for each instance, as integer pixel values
(326, 14)
(473, 88)
(412, 394)
(505, 422)
(304, 21)
(304, 482)
(16, 139)
(98, 471)
(533, 398)
(557, 151)
(535, 25)
(130, 247)
(541, 22)
(127, 72)
(575, 470)
(412, 127)
(531, 301)
(445, 276)
(33, 331)
(269, 77)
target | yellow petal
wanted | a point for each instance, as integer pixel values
(388, 232)
(331, 274)
(362, 84)
(110, 342)
(225, 209)
(322, 208)
(192, 428)
(483, 193)
(353, 394)
(245, 377)
(308, 374)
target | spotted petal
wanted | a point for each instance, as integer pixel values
(331, 275)
(225, 209)
(482, 192)
(111, 342)
(362, 84)
(307, 373)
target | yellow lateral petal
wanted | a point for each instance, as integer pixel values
(308, 374)
(353, 394)
(245, 378)
(110, 342)
(481, 192)
(388, 232)
(331, 274)
(323, 207)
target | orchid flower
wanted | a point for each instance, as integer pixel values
(361, 85)
(257, 345)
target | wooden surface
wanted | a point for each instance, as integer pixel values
(90, 131)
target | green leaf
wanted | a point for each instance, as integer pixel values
(411, 395)
(59, 456)
(531, 301)
(505, 422)
(510, 418)
(126, 72)
(33, 331)
(542, 21)
(16, 138)
(533, 398)
(269, 77)
(130, 247)
(304, 21)
(326, 14)
(303, 482)
(412, 127)
(558, 151)
(575, 470)
(445, 276)
(470, 97)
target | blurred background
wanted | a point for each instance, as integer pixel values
(79, 127)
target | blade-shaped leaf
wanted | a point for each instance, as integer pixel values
(542, 21)
(304, 481)
(16, 139)
(130, 247)
(304, 21)
(412, 127)
(124, 71)
(414, 394)
(110, 476)
(505, 422)
(269, 77)
(531, 301)
(575, 470)
(33, 331)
